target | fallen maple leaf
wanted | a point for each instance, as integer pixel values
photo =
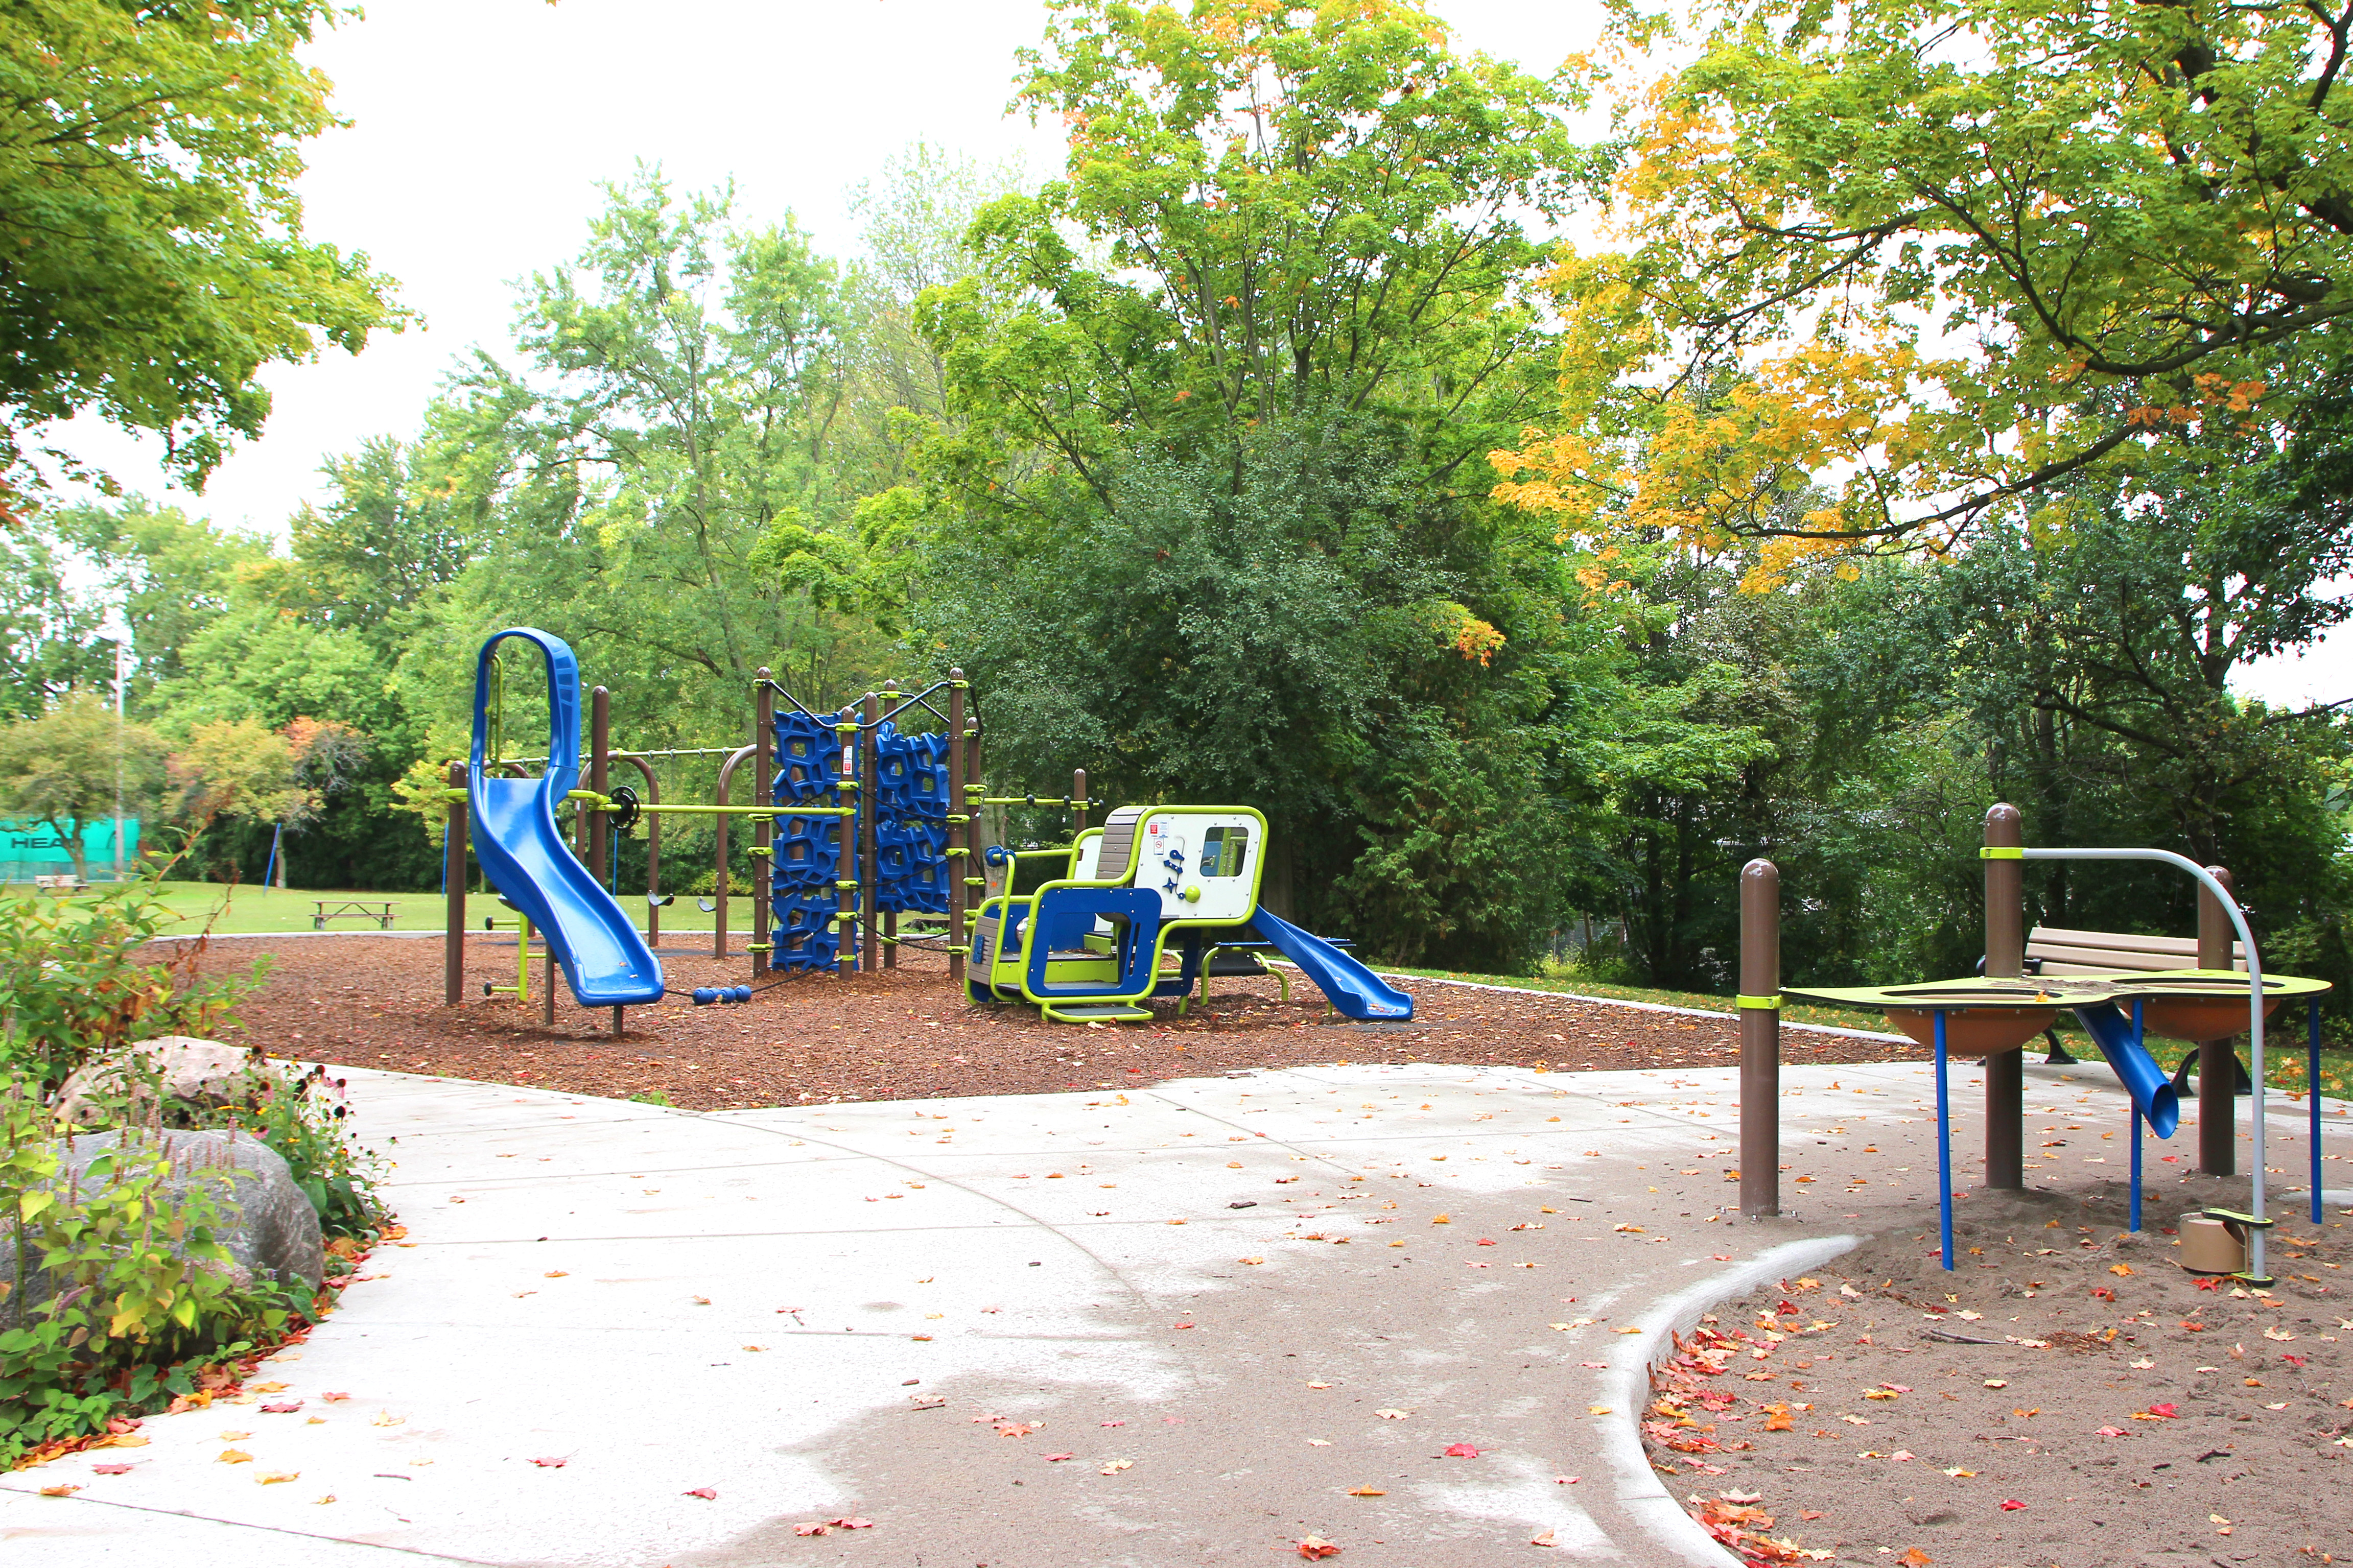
(554, 1461)
(1543, 1538)
(282, 1408)
(2120, 1269)
(233, 1457)
(1314, 1546)
(109, 1469)
(334, 1398)
(1113, 1466)
(266, 1388)
(852, 1522)
(2011, 1505)
(1392, 1414)
(1366, 1491)
(271, 1477)
(1461, 1451)
(1913, 1558)
(705, 1493)
(812, 1528)
(2109, 1432)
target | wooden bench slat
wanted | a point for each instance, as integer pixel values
(2066, 951)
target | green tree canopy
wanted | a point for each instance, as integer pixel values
(74, 765)
(151, 253)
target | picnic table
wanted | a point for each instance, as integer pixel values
(325, 909)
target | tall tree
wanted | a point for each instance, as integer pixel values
(74, 766)
(1949, 256)
(151, 253)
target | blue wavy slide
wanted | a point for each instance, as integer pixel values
(2111, 1029)
(1356, 990)
(605, 960)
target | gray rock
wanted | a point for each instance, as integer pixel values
(266, 1225)
(199, 1075)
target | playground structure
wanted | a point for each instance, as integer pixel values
(860, 824)
(1993, 1015)
(1089, 945)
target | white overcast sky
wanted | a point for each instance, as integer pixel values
(481, 129)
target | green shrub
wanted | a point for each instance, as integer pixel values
(143, 1296)
(302, 1120)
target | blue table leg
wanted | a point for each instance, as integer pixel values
(2138, 1042)
(1944, 1146)
(2312, 1095)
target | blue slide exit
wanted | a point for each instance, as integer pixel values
(605, 960)
(2111, 1029)
(1353, 989)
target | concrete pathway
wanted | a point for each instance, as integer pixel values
(1192, 1323)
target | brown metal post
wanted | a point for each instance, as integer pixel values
(869, 778)
(453, 853)
(719, 923)
(547, 986)
(960, 835)
(1760, 1039)
(2218, 1060)
(1078, 802)
(600, 749)
(653, 847)
(2005, 954)
(764, 792)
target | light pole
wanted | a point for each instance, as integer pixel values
(121, 661)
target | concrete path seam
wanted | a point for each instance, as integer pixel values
(1643, 1496)
(343, 1541)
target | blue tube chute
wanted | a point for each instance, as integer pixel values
(2152, 1091)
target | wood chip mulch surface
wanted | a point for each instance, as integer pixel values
(901, 1033)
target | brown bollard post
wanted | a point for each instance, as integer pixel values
(1078, 801)
(1760, 1040)
(453, 852)
(2218, 1060)
(763, 829)
(2005, 954)
(960, 833)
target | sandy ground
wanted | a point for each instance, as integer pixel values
(2066, 1395)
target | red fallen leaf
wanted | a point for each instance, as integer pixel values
(2166, 1411)
(282, 1408)
(2011, 1505)
(1484, 1241)
(1809, 1513)
(1180, 1325)
(121, 1423)
(853, 1522)
(812, 1528)
(1787, 1309)
(554, 1462)
(334, 1398)
(1313, 1546)
(109, 1469)
(2109, 1432)
(1121, 1423)
(1057, 1459)
(2293, 1360)
(705, 1493)
(1461, 1451)
(2208, 1284)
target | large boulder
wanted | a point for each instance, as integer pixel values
(266, 1224)
(193, 1075)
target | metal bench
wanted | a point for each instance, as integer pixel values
(2054, 950)
(325, 909)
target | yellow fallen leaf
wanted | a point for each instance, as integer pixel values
(271, 1477)
(386, 1418)
(555, 1274)
(234, 1436)
(233, 1457)
(1253, 1260)
(2120, 1269)
(1625, 1331)
(1440, 1219)
(1366, 1491)
(328, 1498)
(755, 1347)
(1635, 1229)
(1965, 1475)
(1597, 1410)
(1556, 1325)
(1392, 1414)
(59, 1490)
(264, 1388)
(1115, 1467)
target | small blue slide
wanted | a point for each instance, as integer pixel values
(608, 963)
(2111, 1029)
(1356, 990)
